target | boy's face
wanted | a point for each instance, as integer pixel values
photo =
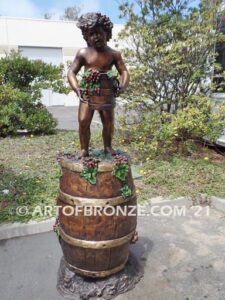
(97, 37)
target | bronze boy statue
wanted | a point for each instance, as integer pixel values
(99, 87)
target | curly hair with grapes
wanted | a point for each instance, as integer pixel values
(90, 20)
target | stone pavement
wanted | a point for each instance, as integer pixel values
(67, 117)
(182, 255)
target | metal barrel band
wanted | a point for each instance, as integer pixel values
(81, 201)
(96, 273)
(95, 244)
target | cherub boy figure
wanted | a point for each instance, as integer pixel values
(98, 58)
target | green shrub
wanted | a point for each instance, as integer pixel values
(31, 75)
(19, 111)
(40, 120)
(21, 82)
(157, 133)
(171, 51)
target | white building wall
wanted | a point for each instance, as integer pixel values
(43, 38)
(40, 33)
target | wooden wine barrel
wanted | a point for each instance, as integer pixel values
(95, 245)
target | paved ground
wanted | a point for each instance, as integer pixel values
(183, 259)
(67, 117)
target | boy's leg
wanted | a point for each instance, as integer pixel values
(85, 116)
(107, 117)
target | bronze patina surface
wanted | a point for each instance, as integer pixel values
(99, 57)
(96, 245)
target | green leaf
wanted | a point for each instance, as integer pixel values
(126, 191)
(83, 84)
(112, 73)
(90, 174)
(92, 87)
(86, 73)
(120, 171)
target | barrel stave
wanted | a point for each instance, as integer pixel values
(107, 185)
(95, 259)
(96, 245)
(98, 227)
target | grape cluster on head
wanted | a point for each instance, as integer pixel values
(105, 22)
(90, 20)
(120, 159)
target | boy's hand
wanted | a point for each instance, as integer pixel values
(120, 90)
(77, 91)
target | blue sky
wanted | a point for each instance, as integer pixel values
(37, 8)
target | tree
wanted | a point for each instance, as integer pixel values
(71, 13)
(48, 16)
(171, 54)
(21, 81)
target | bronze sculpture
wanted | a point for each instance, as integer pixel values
(99, 58)
(96, 246)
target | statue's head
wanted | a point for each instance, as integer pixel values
(90, 21)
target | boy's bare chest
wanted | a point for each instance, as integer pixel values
(100, 60)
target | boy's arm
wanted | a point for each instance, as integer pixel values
(73, 70)
(121, 68)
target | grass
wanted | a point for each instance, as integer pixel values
(29, 173)
(181, 176)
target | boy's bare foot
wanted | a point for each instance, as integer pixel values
(109, 150)
(135, 237)
(83, 153)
